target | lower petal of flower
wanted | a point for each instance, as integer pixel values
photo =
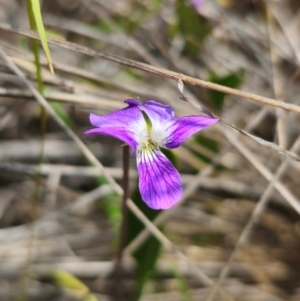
(159, 182)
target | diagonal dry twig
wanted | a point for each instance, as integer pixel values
(154, 70)
(263, 201)
(263, 142)
(175, 76)
(256, 214)
(277, 82)
(267, 174)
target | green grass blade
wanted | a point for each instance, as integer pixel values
(35, 4)
(71, 284)
(35, 48)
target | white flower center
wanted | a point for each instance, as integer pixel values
(150, 135)
(158, 133)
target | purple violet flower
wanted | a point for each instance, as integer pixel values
(146, 127)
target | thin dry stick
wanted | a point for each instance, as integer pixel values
(90, 156)
(291, 199)
(133, 89)
(281, 115)
(285, 18)
(172, 75)
(263, 142)
(258, 210)
(22, 231)
(261, 205)
(154, 70)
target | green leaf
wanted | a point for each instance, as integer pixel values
(110, 204)
(231, 80)
(102, 26)
(72, 285)
(208, 143)
(182, 285)
(35, 4)
(193, 27)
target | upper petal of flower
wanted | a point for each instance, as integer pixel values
(159, 182)
(126, 124)
(157, 111)
(119, 118)
(183, 127)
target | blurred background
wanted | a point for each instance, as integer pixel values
(234, 237)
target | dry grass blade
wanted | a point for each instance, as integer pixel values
(155, 70)
(179, 78)
(291, 199)
(263, 142)
(259, 208)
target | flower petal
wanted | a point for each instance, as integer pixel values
(153, 109)
(184, 127)
(123, 124)
(159, 182)
(120, 118)
(132, 102)
(157, 111)
(123, 134)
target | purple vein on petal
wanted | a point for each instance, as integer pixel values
(121, 124)
(184, 127)
(159, 181)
